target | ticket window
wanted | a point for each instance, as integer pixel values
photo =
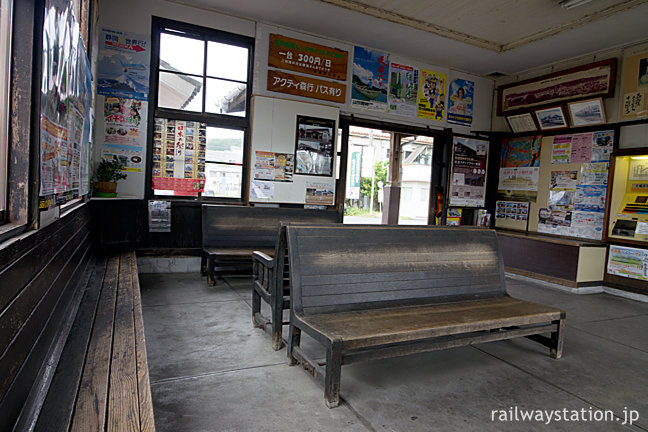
(629, 198)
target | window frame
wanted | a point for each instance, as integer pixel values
(6, 29)
(242, 123)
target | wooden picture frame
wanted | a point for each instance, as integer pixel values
(551, 118)
(314, 146)
(587, 113)
(522, 123)
(582, 82)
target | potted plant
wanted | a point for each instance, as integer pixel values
(107, 174)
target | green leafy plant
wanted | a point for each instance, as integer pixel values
(110, 170)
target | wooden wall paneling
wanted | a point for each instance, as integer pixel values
(537, 256)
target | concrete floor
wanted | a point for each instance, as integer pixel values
(211, 370)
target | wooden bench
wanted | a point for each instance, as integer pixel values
(371, 293)
(231, 233)
(101, 381)
(271, 283)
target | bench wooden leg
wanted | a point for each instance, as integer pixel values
(256, 307)
(294, 339)
(203, 265)
(211, 275)
(276, 303)
(333, 373)
(557, 339)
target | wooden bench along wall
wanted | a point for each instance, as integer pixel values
(230, 234)
(101, 382)
(370, 293)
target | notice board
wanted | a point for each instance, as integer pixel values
(275, 162)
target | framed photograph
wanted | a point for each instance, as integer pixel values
(582, 82)
(551, 118)
(314, 146)
(521, 123)
(586, 113)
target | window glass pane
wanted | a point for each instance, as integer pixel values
(182, 54)
(223, 180)
(227, 61)
(225, 97)
(179, 91)
(225, 145)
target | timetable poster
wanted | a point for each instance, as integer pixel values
(179, 156)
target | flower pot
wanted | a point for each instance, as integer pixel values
(106, 189)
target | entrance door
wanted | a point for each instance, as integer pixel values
(415, 179)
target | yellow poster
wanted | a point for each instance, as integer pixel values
(432, 95)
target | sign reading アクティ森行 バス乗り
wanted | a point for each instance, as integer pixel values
(307, 57)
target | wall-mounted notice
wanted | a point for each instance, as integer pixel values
(123, 65)
(159, 213)
(307, 57)
(512, 210)
(403, 89)
(628, 262)
(521, 151)
(469, 160)
(319, 193)
(562, 190)
(353, 186)
(581, 148)
(124, 136)
(561, 150)
(261, 190)
(179, 156)
(370, 78)
(635, 87)
(273, 166)
(602, 146)
(314, 146)
(460, 102)
(298, 85)
(432, 95)
(594, 174)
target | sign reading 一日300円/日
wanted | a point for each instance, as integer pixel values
(307, 57)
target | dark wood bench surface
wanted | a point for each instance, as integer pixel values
(375, 292)
(101, 381)
(231, 233)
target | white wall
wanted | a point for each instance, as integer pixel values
(135, 16)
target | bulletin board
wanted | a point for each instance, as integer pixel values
(571, 188)
(275, 161)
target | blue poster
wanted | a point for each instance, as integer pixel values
(123, 67)
(370, 79)
(590, 198)
(460, 102)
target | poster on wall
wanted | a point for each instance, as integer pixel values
(594, 174)
(319, 193)
(432, 95)
(179, 156)
(519, 168)
(315, 146)
(460, 102)
(561, 150)
(634, 90)
(591, 198)
(628, 262)
(273, 166)
(581, 147)
(469, 162)
(65, 110)
(521, 151)
(123, 64)
(512, 210)
(370, 79)
(298, 85)
(123, 131)
(602, 143)
(403, 89)
(562, 190)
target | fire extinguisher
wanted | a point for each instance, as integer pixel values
(439, 208)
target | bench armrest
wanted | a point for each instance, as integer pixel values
(262, 258)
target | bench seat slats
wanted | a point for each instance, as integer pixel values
(90, 408)
(387, 325)
(238, 252)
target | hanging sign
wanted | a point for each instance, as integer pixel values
(307, 57)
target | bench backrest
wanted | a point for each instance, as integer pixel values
(336, 268)
(253, 227)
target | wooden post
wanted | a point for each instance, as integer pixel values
(393, 188)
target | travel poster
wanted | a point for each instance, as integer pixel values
(521, 151)
(628, 262)
(370, 79)
(123, 64)
(432, 95)
(460, 102)
(469, 159)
